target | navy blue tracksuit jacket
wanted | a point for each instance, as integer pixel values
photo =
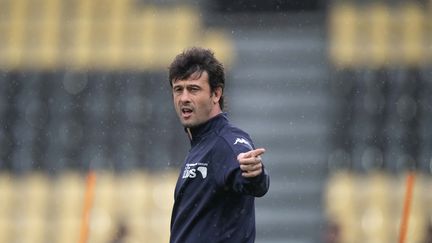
(214, 203)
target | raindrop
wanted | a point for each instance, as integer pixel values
(430, 166)
(36, 114)
(100, 160)
(338, 159)
(74, 83)
(5, 144)
(138, 109)
(371, 105)
(70, 133)
(406, 107)
(372, 158)
(404, 161)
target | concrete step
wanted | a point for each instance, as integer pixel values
(279, 157)
(261, 100)
(302, 56)
(278, 93)
(287, 131)
(285, 185)
(289, 223)
(281, 43)
(304, 77)
(289, 115)
(292, 193)
(292, 168)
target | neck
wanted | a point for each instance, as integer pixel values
(215, 111)
(196, 132)
(189, 133)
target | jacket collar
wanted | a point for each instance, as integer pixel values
(196, 133)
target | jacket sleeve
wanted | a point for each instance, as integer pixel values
(230, 174)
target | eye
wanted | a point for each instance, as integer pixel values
(194, 89)
(177, 89)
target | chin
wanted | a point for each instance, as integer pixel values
(190, 124)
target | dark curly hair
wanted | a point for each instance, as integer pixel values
(197, 59)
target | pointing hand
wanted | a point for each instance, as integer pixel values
(251, 163)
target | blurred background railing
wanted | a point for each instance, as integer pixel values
(339, 92)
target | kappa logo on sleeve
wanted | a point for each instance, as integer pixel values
(243, 141)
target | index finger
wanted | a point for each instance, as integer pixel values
(255, 153)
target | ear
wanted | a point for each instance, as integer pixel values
(217, 94)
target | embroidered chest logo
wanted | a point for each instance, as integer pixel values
(242, 141)
(191, 170)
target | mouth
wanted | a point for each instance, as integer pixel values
(186, 112)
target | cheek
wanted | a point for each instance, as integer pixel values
(207, 104)
(176, 103)
(175, 99)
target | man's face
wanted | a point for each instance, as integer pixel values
(193, 100)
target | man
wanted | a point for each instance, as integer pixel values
(221, 175)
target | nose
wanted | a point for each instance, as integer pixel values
(185, 96)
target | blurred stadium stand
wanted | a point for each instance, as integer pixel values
(37, 208)
(101, 34)
(381, 82)
(83, 86)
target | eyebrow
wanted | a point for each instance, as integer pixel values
(186, 85)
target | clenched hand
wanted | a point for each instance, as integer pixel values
(251, 163)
